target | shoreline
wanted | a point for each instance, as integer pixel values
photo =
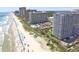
(8, 43)
(33, 43)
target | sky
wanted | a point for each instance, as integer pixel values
(12, 5)
(10, 9)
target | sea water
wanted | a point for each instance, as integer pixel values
(3, 27)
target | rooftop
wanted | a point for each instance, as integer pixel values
(66, 12)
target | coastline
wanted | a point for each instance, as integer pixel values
(8, 43)
(29, 40)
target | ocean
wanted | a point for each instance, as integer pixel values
(3, 27)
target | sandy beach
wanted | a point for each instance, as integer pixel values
(27, 42)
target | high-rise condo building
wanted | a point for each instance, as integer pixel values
(37, 17)
(66, 25)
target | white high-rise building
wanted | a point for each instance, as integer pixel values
(37, 17)
(66, 24)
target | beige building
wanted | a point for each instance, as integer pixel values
(37, 17)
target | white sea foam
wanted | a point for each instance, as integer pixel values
(3, 29)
